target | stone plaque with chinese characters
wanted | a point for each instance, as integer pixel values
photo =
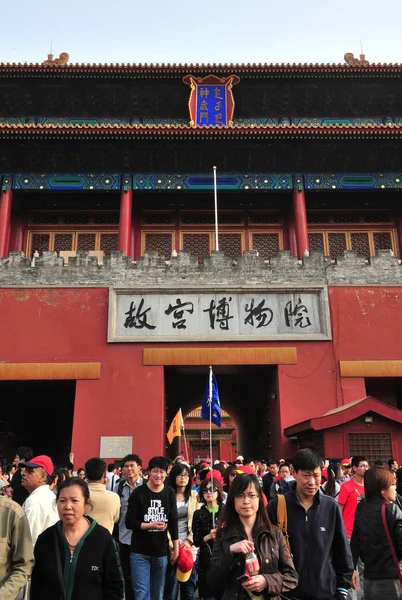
(115, 446)
(285, 314)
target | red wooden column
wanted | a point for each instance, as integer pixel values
(6, 199)
(398, 223)
(126, 206)
(292, 241)
(300, 218)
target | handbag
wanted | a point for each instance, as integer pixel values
(390, 544)
(58, 565)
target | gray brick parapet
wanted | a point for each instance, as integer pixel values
(184, 270)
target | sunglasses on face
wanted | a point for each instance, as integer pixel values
(210, 490)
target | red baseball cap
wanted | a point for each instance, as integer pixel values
(185, 564)
(215, 474)
(346, 462)
(245, 469)
(40, 461)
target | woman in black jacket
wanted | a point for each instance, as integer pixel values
(205, 528)
(246, 528)
(369, 539)
(76, 559)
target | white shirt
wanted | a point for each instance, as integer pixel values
(41, 511)
(112, 480)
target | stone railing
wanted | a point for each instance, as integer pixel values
(184, 271)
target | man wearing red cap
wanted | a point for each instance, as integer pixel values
(40, 506)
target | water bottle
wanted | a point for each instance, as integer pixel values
(252, 564)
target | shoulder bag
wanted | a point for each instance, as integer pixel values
(390, 544)
(282, 519)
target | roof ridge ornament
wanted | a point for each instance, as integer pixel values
(61, 61)
(356, 62)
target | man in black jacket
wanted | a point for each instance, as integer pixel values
(151, 513)
(269, 478)
(317, 535)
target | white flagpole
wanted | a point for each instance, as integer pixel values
(210, 429)
(216, 212)
(184, 435)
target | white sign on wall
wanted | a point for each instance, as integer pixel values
(258, 314)
(115, 446)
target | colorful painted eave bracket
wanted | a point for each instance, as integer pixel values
(180, 182)
(387, 130)
(152, 70)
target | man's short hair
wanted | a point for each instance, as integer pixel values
(306, 460)
(273, 462)
(24, 452)
(111, 467)
(95, 469)
(248, 459)
(391, 462)
(131, 458)
(356, 460)
(159, 462)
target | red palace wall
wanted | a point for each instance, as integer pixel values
(70, 325)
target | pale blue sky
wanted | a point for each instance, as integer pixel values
(187, 31)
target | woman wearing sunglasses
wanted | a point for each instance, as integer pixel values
(205, 524)
(246, 528)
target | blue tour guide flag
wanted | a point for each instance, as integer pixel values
(210, 402)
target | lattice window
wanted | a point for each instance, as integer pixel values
(382, 240)
(316, 241)
(161, 242)
(346, 218)
(76, 219)
(86, 241)
(318, 217)
(40, 242)
(378, 218)
(360, 243)
(206, 218)
(373, 446)
(230, 244)
(336, 244)
(264, 218)
(106, 219)
(267, 244)
(44, 219)
(197, 244)
(63, 241)
(109, 242)
(158, 218)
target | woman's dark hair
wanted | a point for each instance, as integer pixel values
(216, 484)
(333, 472)
(230, 516)
(81, 469)
(220, 467)
(75, 481)
(230, 470)
(377, 479)
(203, 473)
(176, 470)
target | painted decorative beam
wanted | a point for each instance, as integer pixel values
(67, 181)
(199, 181)
(204, 181)
(353, 181)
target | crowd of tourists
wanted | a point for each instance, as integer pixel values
(303, 529)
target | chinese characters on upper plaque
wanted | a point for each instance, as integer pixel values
(211, 100)
(204, 316)
(211, 105)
